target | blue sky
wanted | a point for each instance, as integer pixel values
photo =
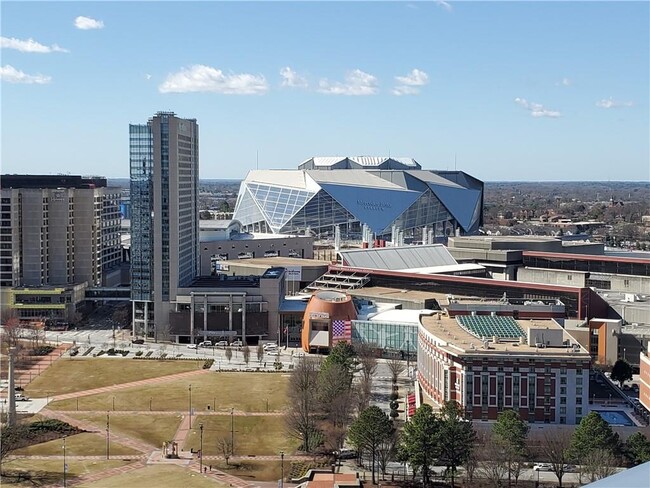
(511, 90)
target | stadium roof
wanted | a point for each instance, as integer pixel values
(398, 258)
(360, 161)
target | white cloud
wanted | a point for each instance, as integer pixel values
(611, 103)
(292, 79)
(564, 82)
(409, 84)
(86, 23)
(12, 75)
(201, 78)
(147, 76)
(445, 5)
(537, 109)
(356, 83)
(29, 46)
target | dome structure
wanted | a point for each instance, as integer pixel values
(327, 320)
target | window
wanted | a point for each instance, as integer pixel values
(578, 371)
(578, 412)
(578, 381)
(563, 370)
(562, 400)
(563, 390)
(579, 390)
(563, 380)
(563, 420)
(562, 410)
(569, 277)
(579, 400)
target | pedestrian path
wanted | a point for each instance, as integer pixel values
(24, 376)
(99, 475)
(92, 428)
(132, 384)
(176, 413)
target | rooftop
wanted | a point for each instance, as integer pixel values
(457, 340)
(277, 261)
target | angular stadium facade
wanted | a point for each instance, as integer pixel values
(382, 193)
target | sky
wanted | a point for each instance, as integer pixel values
(506, 91)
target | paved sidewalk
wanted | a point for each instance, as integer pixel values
(196, 413)
(132, 384)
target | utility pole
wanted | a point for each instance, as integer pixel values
(282, 469)
(232, 430)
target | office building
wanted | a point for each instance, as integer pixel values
(164, 168)
(382, 196)
(59, 232)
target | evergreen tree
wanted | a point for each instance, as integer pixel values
(456, 437)
(509, 433)
(621, 372)
(369, 431)
(593, 434)
(419, 446)
(637, 448)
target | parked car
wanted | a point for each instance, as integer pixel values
(542, 467)
(345, 453)
(137, 341)
(205, 344)
(237, 343)
(191, 346)
(221, 344)
(21, 398)
(270, 345)
(570, 468)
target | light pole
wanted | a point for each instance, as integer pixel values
(108, 435)
(113, 404)
(282, 469)
(65, 466)
(624, 356)
(201, 450)
(190, 406)
(150, 401)
(232, 430)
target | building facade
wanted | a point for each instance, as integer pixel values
(490, 364)
(386, 195)
(164, 169)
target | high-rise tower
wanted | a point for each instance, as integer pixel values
(164, 166)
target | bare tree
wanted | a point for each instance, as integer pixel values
(555, 446)
(363, 393)
(260, 353)
(396, 367)
(163, 331)
(228, 353)
(335, 403)
(597, 464)
(12, 331)
(300, 419)
(246, 353)
(367, 354)
(225, 446)
(386, 451)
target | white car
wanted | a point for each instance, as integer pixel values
(191, 346)
(205, 344)
(270, 345)
(221, 344)
(237, 343)
(542, 467)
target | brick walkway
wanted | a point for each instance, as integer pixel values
(25, 376)
(132, 384)
(99, 475)
(92, 428)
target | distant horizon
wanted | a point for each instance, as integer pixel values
(505, 91)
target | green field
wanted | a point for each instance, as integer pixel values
(156, 477)
(247, 392)
(85, 444)
(254, 435)
(50, 472)
(151, 428)
(69, 375)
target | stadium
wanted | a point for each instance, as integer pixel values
(383, 194)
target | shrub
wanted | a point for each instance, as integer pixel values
(207, 364)
(42, 350)
(138, 353)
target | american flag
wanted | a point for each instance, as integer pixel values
(341, 331)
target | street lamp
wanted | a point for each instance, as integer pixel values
(201, 450)
(113, 404)
(108, 434)
(190, 406)
(150, 401)
(282, 469)
(232, 430)
(65, 466)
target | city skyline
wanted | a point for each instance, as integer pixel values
(503, 91)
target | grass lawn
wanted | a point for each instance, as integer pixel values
(254, 435)
(156, 477)
(248, 392)
(151, 428)
(70, 375)
(85, 444)
(50, 472)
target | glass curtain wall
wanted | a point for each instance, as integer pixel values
(391, 336)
